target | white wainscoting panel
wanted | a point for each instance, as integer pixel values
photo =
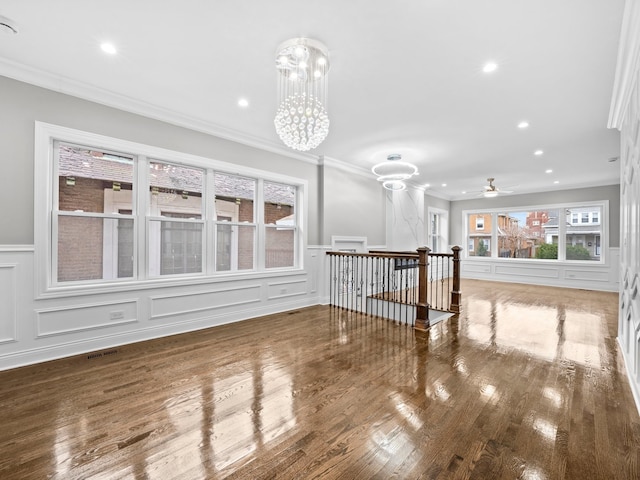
(35, 329)
(570, 275)
(319, 263)
(90, 316)
(283, 289)
(625, 115)
(467, 269)
(182, 304)
(586, 274)
(8, 303)
(531, 271)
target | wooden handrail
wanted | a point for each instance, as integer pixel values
(375, 254)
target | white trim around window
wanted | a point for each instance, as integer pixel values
(45, 181)
(601, 222)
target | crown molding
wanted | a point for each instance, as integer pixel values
(68, 86)
(627, 65)
(347, 167)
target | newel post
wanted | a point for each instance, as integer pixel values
(455, 292)
(422, 307)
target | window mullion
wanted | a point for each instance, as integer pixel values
(141, 205)
(52, 244)
(562, 233)
(260, 247)
(494, 235)
(208, 197)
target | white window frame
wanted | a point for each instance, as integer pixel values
(114, 201)
(560, 236)
(232, 210)
(275, 226)
(45, 235)
(442, 235)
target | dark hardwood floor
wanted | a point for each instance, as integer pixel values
(526, 383)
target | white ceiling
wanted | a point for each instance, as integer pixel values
(406, 77)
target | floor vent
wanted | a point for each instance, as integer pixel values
(101, 354)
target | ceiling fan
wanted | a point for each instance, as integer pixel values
(491, 190)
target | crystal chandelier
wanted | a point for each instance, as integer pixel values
(301, 119)
(393, 172)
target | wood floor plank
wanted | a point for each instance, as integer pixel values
(527, 382)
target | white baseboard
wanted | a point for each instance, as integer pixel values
(635, 387)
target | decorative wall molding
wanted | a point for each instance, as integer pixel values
(560, 274)
(172, 305)
(56, 327)
(56, 83)
(342, 242)
(344, 166)
(625, 116)
(8, 303)
(628, 65)
(285, 289)
(530, 271)
(71, 319)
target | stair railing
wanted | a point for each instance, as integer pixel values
(401, 286)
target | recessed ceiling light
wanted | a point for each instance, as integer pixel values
(489, 67)
(548, 170)
(523, 124)
(243, 102)
(464, 191)
(538, 152)
(108, 48)
(444, 184)
(557, 181)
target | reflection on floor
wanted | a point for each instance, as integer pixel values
(527, 382)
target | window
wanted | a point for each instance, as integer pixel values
(438, 230)
(479, 237)
(175, 247)
(93, 230)
(582, 242)
(522, 234)
(235, 222)
(280, 224)
(128, 212)
(566, 233)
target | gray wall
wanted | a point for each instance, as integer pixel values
(353, 205)
(435, 202)
(607, 192)
(22, 104)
